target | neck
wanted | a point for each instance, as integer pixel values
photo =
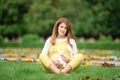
(60, 37)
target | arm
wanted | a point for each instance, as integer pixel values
(46, 50)
(74, 47)
(46, 47)
(73, 51)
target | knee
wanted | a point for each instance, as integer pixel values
(81, 56)
(42, 56)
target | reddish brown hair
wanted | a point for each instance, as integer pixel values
(69, 34)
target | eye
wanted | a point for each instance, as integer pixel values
(65, 27)
(61, 26)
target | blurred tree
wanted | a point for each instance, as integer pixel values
(11, 16)
(114, 17)
(107, 16)
(39, 18)
(89, 18)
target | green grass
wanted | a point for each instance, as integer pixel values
(34, 71)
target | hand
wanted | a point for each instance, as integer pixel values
(57, 63)
(66, 59)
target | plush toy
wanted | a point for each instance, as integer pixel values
(61, 52)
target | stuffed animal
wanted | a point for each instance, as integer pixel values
(61, 52)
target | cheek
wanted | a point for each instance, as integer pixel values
(58, 29)
(66, 32)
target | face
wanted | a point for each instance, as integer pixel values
(62, 29)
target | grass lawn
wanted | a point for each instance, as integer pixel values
(34, 71)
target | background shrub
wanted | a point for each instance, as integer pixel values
(30, 40)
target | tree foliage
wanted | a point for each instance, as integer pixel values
(11, 16)
(89, 18)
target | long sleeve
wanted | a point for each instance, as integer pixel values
(74, 47)
(46, 47)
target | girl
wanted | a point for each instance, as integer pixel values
(59, 54)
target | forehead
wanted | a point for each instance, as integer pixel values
(63, 24)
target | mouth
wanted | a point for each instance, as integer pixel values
(62, 32)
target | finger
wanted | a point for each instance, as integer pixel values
(58, 61)
(62, 55)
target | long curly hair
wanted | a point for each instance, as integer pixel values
(69, 34)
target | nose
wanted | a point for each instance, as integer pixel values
(63, 28)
